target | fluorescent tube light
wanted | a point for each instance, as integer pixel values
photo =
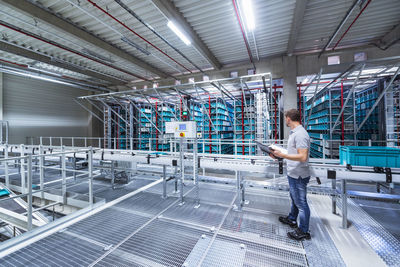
(248, 14)
(173, 27)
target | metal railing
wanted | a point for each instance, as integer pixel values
(327, 148)
(29, 164)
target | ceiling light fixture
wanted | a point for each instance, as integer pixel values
(248, 14)
(173, 27)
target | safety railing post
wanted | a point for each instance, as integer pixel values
(7, 177)
(90, 170)
(64, 177)
(29, 169)
(344, 204)
(164, 181)
(41, 171)
(22, 168)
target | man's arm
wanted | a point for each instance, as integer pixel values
(302, 155)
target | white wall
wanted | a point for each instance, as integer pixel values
(40, 108)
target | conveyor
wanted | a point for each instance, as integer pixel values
(147, 229)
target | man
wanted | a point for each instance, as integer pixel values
(298, 173)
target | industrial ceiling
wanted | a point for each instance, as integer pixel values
(113, 42)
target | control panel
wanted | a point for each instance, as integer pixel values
(180, 129)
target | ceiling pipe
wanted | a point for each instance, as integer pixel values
(14, 63)
(130, 11)
(339, 27)
(243, 34)
(37, 37)
(129, 29)
(356, 18)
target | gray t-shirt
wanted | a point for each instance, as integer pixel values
(298, 138)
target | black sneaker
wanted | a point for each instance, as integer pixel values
(299, 235)
(286, 220)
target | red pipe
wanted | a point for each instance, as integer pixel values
(14, 63)
(132, 31)
(209, 123)
(341, 106)
(348, 28)
(244, 36)
(243, 127)
(276, 127)
(70, 50)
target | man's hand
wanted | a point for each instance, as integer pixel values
(278, 154)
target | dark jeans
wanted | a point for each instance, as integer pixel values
(298, 194)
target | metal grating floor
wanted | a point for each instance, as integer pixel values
(147, 230)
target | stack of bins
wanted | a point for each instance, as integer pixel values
(364, 101)
(220, 136)
(325, 110)
(245, 126)
(145, 131)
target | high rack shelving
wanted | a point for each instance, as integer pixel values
(230, 113)
(346, 108)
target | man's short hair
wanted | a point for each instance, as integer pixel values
(293, 114)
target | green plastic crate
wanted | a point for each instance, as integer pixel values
(374, 156)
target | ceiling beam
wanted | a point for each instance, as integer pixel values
(61, 24)
(390, 38)
(298, 16)
(27, 53)
(169, 10)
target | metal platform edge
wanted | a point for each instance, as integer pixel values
(24, 240)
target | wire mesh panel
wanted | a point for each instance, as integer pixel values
(204, 216)
(108, 230)
(158, 244)
(59, 249)
(210, 194)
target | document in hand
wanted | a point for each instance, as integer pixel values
(279, 148)
(270, 148)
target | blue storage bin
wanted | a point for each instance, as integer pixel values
(374, 156)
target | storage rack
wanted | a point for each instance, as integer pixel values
(337, 105)
(245, 124)
(220, 128)
(275, 114)
(117, 131)
(392, 104)
(364, 101)
(146, 131)
(212, 104)
(326, 106)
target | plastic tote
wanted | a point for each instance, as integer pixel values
(374, 156)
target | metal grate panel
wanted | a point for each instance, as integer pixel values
(158, 243)
(59, 249)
